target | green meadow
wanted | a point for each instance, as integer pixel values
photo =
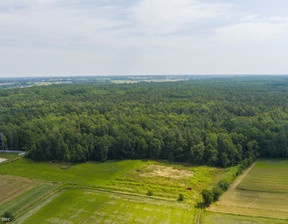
(134, 176)
(80, 206)
(88, 174)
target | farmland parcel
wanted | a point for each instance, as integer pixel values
(263, 192)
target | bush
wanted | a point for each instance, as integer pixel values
(180, 198)
(149, 193)
(217, 192)
(8, 216)
(224, 184)
(207, 196)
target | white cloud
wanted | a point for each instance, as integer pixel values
(135, 36)
(167, 16)
(254, 30)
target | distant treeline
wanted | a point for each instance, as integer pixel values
(218, 122)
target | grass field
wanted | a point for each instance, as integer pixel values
(249, 198)
(244, 201)
(11, 187)
(220, 218)
(267, 176)
(79, 206)
(89, 174)
(129, 176)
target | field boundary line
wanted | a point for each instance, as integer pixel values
(239, 179)
(246, 215)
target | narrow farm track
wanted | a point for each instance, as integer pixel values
(198, 212)
(230, 193)
(198, 216)
(241, 177)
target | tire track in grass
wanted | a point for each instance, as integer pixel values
(198, 211)
(239, 179)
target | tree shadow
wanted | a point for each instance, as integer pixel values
(199, 205)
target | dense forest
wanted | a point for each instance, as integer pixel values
(214, 121)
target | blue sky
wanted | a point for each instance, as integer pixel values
(143, 37)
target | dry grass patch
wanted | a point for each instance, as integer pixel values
(166, 171)
(11, 187)
(168, 180)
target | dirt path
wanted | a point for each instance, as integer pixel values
(241, 177)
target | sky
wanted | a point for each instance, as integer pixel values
(143, 37)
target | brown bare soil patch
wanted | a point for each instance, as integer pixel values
(11, 187)
(165, 171)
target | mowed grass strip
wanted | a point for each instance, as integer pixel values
(221, 218)
(253, 203)
(23, 201)
(11, 187)
(89, 174)
(258, 197)
(267, 176)
(79, 206)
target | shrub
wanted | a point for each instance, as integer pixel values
(149, 193)
(207, 196)
(180, 198)
(217, 191)
(8, 215)
(224, 184)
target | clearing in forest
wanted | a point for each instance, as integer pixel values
(262, 192)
